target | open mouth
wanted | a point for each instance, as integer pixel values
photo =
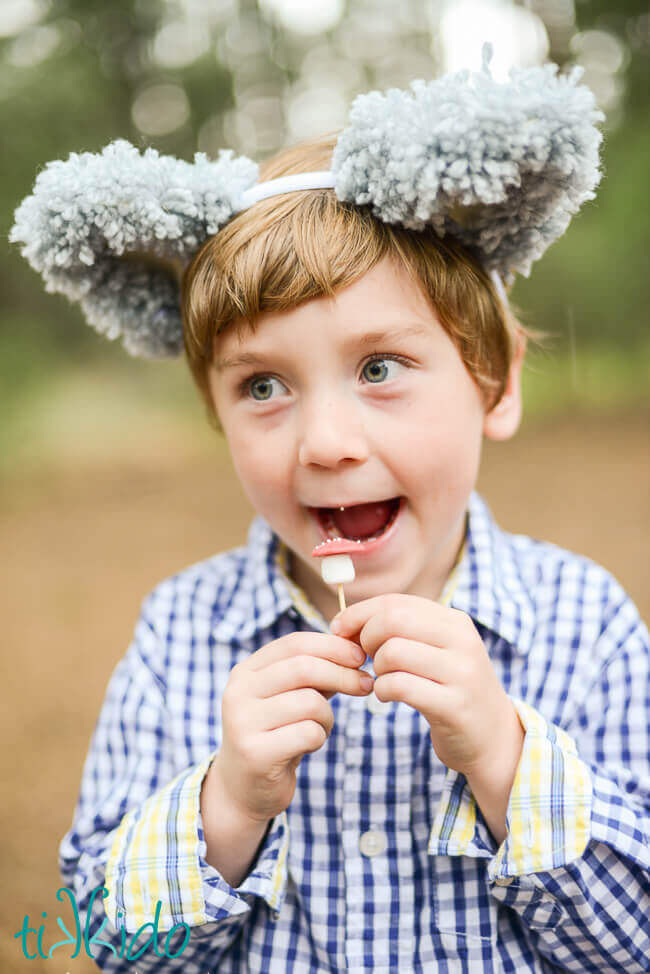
(360, 522)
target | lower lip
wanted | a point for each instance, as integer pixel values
(370, 547)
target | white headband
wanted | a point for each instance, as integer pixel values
(321, 179)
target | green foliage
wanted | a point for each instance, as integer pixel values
(593, 284)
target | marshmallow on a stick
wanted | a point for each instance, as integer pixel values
(336, 567)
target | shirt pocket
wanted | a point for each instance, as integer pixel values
(462, 904)
(459, 851)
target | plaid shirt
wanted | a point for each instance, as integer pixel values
(383, 861)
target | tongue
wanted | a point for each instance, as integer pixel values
(363, 520)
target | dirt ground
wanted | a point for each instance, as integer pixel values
(84, 546)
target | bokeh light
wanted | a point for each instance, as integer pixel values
(313, 17)
(180, 42)
(315, 109)
(160, 109)
(16, 15)
(603, 56)
(33, 45)
(518, 36)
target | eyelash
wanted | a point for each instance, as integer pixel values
(244, 386)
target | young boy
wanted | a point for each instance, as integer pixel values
(483, 802)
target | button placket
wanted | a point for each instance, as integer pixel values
(352, 714)
(376, 825)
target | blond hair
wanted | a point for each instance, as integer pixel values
(294, 247)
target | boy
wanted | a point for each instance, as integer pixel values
(485, 807)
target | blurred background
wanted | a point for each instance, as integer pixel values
(111, 479)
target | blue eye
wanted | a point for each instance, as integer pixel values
(264, 384)
(376, 369)
(260, 388)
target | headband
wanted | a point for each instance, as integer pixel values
(502, 167)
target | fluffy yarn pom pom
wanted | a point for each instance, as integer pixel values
(500, 166)
(111, 231)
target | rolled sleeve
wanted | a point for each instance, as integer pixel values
(267, 880)
(575, 864)
(157, 864)
(549, 810)
(548, 820)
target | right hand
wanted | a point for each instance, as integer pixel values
(275, 710)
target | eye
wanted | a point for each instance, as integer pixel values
(378, 369)
(262, 385)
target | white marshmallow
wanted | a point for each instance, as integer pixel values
(337, 569)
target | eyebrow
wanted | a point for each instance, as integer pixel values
(356, 341)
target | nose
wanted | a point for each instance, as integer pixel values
(330, 433)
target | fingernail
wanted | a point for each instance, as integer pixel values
(366, 681)
(359, 654)
(335, 625)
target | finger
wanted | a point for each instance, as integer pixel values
(321, 644)
(432, 700)
(409, 616)
(293, 740)
(420, 659)
(309, 671)
(295, 706)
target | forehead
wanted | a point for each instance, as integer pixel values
(384, 304)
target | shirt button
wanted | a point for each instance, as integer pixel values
(375, 705)
(372, 843)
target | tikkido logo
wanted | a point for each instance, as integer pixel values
(88, 941)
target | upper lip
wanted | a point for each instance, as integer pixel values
(378, 500)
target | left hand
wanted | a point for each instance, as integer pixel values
(431, 657)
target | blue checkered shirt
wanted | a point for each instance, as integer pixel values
(383, 861)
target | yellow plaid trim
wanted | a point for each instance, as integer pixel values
(140, 872)
(455, 822)
(549, 812)
(451, 584)
(279, 876)
(298, 597)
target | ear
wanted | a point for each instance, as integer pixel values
(502, 421)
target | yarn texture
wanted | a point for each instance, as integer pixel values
(113, 231)
(502, 167)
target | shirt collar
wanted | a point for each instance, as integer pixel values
(491, 587)
(486, 583)
(261, 594)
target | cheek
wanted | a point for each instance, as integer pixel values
(442, 442)
(262, 470)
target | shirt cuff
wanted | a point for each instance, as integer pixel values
(267, 880)
(157, 873)
(548, 820)
(458, 828)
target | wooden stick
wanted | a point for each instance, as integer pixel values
(341, 597)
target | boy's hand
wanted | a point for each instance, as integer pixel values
(275, 709)
(432, 658)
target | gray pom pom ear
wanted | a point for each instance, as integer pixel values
(113, 231)
(501, 167)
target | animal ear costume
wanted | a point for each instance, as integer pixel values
(500, 166)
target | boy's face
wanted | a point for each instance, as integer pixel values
(325, 412)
